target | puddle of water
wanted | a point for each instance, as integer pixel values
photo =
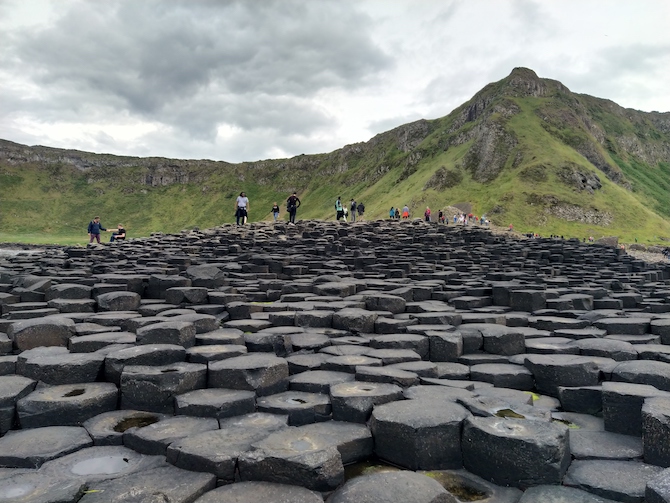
(132, 422)
(104, 465)
(458, 486)
(169, 370)
(302, 445)
(367, 467)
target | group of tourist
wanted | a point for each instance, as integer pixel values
(342, 211)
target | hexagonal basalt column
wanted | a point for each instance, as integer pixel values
(516, 452)
(419, 434)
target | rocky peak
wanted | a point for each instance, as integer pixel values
(525, 82)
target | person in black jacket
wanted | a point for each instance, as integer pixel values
(292, 204)
(361, 210)
(94, 228)
(119, 235)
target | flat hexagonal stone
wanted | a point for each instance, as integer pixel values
(559, 494)
(353, 401)
(32, 333)
(354, 319)
(108, 428)
(215, 402)
(66, 404)
(94, 342)
(118, 301)
(300, 406)
(63, 368)
(653, 373)
(34, 487)
(216, 451)
(622, 405)
(552, 371)
(30, 448)
(617, 480)
(318, 381)
(154, 354)
(604, 445)
(167, 483)
(300, 363)
(214, 352)
(253, 492)
(419, 434)
(304, 461)
(248, 325)
(348, 363)
(632, 326)
(392, 487)
(154, 389)
(181, 333)
(94, 464)
(154, 439)
(221, 336)
(607, 348)
(263, 373)
(503, 375)
(539, 449)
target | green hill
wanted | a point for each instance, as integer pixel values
(524, 151)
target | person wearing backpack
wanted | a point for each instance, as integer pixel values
(292, 204)
(339, 209)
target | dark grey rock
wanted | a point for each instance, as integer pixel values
(392, 487)
(253, 492)
(108, 428)
(155, 438)
(31, 448)
(263, 373)
(617, 480)
(218, 403)
(419, 434)
(154, 388)
(353, 401)
(539, 449)
(66, 404)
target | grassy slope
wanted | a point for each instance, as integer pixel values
(54, 204)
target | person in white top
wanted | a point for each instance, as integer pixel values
(242, 208)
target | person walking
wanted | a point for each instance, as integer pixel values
(292, 205)
(426, 214)
(94, 228)
(352, 207)
(392, 213)
(405, 212)
(275, 211)
(339, 209)
(241, 208)
(361, 210)
(397, 213)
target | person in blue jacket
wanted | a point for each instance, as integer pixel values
(94, 228)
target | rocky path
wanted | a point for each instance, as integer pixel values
(376, 361)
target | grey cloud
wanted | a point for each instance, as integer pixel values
(188, 64)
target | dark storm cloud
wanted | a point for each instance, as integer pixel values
(196, 64)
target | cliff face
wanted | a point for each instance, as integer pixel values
(521, 145)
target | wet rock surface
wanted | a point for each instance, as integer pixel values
(291, 363)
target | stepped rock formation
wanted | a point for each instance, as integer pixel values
(376, 361)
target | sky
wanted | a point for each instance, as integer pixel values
(244, 80)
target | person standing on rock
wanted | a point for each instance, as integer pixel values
(94, 228)
(361, 210)
(405, 212)
(275, 211)
(352, 207)
(397, 213)
(292, 205)
(241, 208)
(339, 209)
(426, 214)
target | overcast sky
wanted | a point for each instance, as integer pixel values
(255, 79)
